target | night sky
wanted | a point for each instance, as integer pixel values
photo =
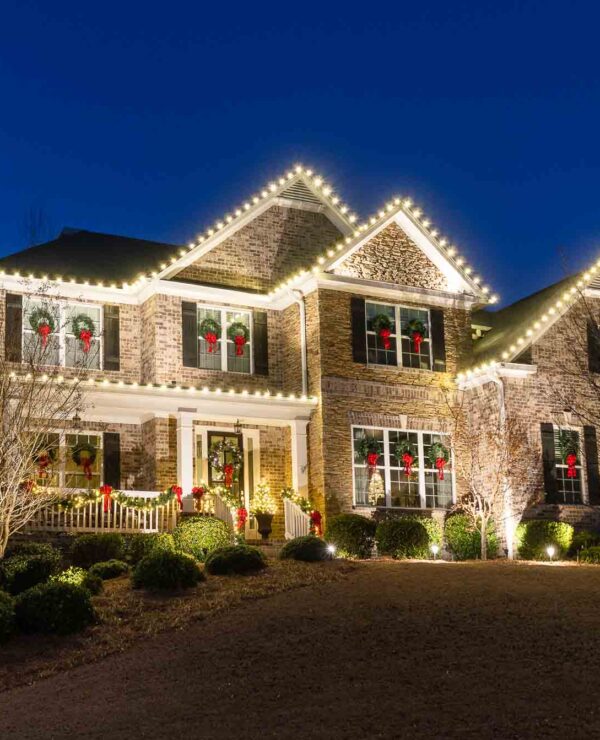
(154, 119)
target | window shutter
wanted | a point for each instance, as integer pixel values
(438, 339)
(549, 462)
(189, 331)
(112, 459)
(593, 340)
(260, 339)
(13, 328)
(590, 446)
(112, 338)
(359, 330)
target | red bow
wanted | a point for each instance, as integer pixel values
(240, 341)
(43, 331)
(315, 522)
(417, 338)
(43, 462)
(385, 337)
(106, 491)
(211, 340)
(177, 491)
(242, 515)
(439, 464)
(198, 492)
(228, 470)
(571, 461)
(372, 458)
(408, 460)
(85, 335)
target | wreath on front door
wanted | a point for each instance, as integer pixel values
(230, 470)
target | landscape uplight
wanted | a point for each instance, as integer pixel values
(550, 550)
(435, 549)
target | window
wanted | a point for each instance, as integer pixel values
(62, 347)
(58, 469)
(387, 483)
(393, 336)
(225, 354)
(569, 478)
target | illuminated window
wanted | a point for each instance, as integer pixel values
(225, 354)
(393, 337)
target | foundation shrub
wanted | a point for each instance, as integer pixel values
(164, 570)
(235, 560)
(309, 548)
(534, 537)
(54, 608)
(88, 549)
(200, 535)
(464, 540)
(353, 535)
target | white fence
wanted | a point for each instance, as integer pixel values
(297, 522)
(222, 511)
(118, 518)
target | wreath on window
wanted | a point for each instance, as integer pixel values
(84, 328)
(439, 455)
(382, 324)
(230, 470)
(44, 457)
(405, 452)
(239, 334)
(368, 451)
(210, 331)
(42, 322)
(417, 332)
(84, 455)
(568, 446)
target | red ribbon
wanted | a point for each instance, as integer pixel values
(198, 492)
(571, 461)
(86, 336)
(385, 337)
(43, 331)
(43, 462)
(315, 522)
(372, 458)
(408, 460)
(87, 467)
(439, 464)
(177, 491)
(417, 338)
(240, 341)
(106, 491)
(242, 516)
(228, 470)
(211, 340)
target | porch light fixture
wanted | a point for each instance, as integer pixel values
(237, 427)
(76, 421)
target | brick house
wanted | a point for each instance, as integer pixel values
(315, 377)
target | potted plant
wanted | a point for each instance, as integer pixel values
(264, 507)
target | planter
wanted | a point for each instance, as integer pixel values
(265, 524)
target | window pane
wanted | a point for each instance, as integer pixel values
(438, 492)
(568, 487)
(414, 355)
(377, 354)
(75, 475)
(209, 360)
(363, 477)
(34, 352)
(75, 356)
(47, 460)
(238, 363)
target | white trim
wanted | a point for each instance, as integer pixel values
(498, 370)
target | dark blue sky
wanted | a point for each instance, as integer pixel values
(153, 119)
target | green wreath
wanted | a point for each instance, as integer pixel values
(84, 455)
(416, 326)
(382, 321)
(368, 446)
(41, 316)
(406, 448)
(237, 329)
(568, 444)
(82, 322)
(438, 451)
(210, 326)
(217, 455)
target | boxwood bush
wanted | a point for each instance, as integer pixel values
(403, 537)
(353, 535)
(88, 549)
(308, 548)
(590, 555)
(137, 546)
(464, 540)
(200, 535)
(55, 608)
(534, 537)
(109, 569)
(32, 548)
(582, 540)
(7, 616)
(236, 559)
(79, 577)
(20, 572)
(166, 570)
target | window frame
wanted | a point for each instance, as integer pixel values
(61, 470)
(386, 468)
(397, 336)
(223, 341)
(581, 467)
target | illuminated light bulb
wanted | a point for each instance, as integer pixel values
(390, 206)
(468, 270)
(545, 317)
(459, 261)
(264, 194)
(352, 218)
(281, 181)
(298, 168)
(210, 232)
(308, 172)
(231, 392)
(330, 252)
(461, 376)
(217, 390)
(219, 224)
(485, 289)
(327, 190)
(443, 242)
(321, 260)
(493, 299)
(586, 276)
(426, 222)
(520, 340)
(257, 394)
(272, 187)
(476, 279)
(373, 220)
(579, 283)
(512, 348)
(173, 260)
(381, 214)
(344, 209)
(529, 332)
(205, 389)
(451, 251)
(279, 394)
(339, 247)
(238, 212)
(255, 199)
(317, 181)
(246, 206)
(348, 239)
(407, 203)
(316, 268)
(537, 325)
(505, 355)
(551, 310)
(434, 233)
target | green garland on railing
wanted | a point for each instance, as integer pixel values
(297, 499)
(79, 500)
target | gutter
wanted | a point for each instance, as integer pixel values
(298, 297)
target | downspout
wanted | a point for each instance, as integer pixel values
(508, 514)
(298, 297)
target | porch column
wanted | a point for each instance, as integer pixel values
(299, 456)
(185, 458)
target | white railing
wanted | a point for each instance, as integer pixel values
(118, 518)
(297, 522)
(222, 511)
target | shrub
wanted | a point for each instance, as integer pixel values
(56, 608)
(353, 535)
(590, 555)
(32, 548)
(535, 536)
(464, 540)
(109, 569)
(226, 561)
(200, 535)
(309, 548)
(403, 537)
(165, 570)
(20, 572)
(7, 616)
(137, 546)
(583, 540)
(79, 577)
(96, 548)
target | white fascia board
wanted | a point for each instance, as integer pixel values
(204, 293)
(501, 370)
(76, 291)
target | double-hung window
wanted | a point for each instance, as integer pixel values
(569, 472)
(398, 335)
(70, 460)
(219, 350)
(390, 482)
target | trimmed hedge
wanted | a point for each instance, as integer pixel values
(79, 577)
(109, 569)
(54, 608)
(20, 572)
(236, 559)
(89, 549)
(165, 570)
(403, 537)
(590, 555)
(310, 549)
(7, 616)
(534, 537)
(137, 546)
(32, 548)
(200, 535)
(583, 540)
(353, 535)
(464, 540)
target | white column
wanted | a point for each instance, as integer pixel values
(185, 458)
(299, 457)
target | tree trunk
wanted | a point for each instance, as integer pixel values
(483, 534)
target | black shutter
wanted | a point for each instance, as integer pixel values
(260, 339)
(359, 330)
(189, 332)
(112, 338)
(13, 327)
(549, 462)
(438, 340)
(593, 340)
(590, 447)
(112, 459)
